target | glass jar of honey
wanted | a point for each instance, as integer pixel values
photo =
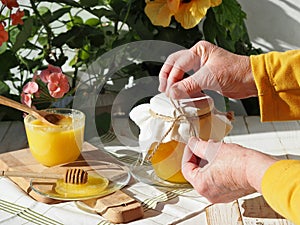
(166, 125)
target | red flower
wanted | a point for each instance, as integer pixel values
(3, 34)
(58, 85)
(10, 3)
(47, 72)
(17, 17)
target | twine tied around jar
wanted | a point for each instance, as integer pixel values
(182, 116)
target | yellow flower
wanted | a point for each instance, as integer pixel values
(161, 11)
(187, 12)
(215, 2)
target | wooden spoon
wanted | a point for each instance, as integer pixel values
(48, 118)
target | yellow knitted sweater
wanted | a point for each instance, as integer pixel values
(277, 77)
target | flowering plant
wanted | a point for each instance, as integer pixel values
(45, 87)
(58, 38)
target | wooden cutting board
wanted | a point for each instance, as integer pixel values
(112, 206)
(22, 160)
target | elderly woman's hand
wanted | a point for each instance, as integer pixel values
(214, 69)
(230, 171)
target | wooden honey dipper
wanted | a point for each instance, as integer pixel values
(71, 176)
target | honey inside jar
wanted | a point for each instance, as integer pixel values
(52, 146)
(165, 125)
(166, 160)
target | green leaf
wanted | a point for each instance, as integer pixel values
(141, 27)
(66, 37)
(118, 6)
(49, 18)
(67, 2)
(83, 53)
(229, 14)
(93, 22)
(96, 38)
(77, 20)
(43, 40)
(89, 3)
(230, 10)
(8, 60)
(104, 12)
(13, 33)
(210, 27)
(3, 47)
(224, 25)
(4, 88)
(24, 34)
(73, 61)
(78, 36)
(43, 10)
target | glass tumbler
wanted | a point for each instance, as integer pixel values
(54, 145)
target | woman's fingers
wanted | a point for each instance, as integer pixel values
(192, 86)
(175, 67)
(190, 165)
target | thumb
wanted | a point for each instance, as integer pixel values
(206, 150)
(198, 147)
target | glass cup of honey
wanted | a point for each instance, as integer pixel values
(59, 144)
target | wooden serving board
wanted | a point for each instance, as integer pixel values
(22, 160)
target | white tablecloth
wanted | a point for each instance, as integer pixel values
(160, 206)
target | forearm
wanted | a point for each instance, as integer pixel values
(277, 78)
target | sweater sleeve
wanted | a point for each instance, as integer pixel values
(277, 77)
(281, 188)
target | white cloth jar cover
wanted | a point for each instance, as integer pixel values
(162, 120)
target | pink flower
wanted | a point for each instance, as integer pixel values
(28, 90)
(31, 88)
(45, 74)
(26, 99)
(58, 85)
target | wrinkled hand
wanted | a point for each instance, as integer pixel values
(232, 171)
(214, 69)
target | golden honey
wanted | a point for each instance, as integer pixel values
(52, 146)
(166, 161)
(95, 185)
(166, 124)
